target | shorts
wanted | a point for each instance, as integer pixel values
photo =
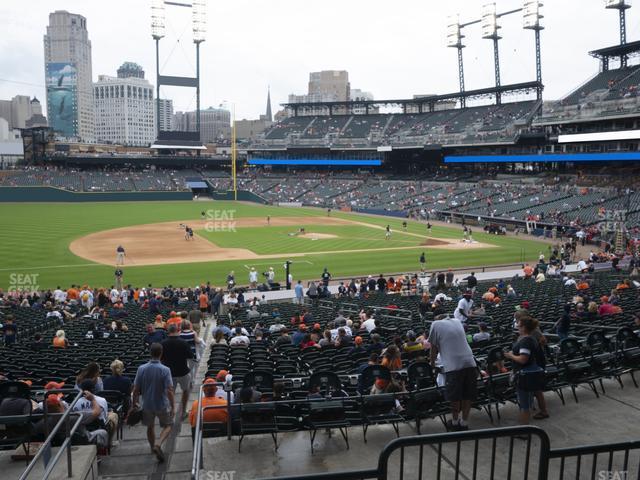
(149, 417)
(525, 400)
(184, 382)
(461, 384)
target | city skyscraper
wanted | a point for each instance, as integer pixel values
(68, 76)
(268, 114)
(22, 112)
(125, 107)
(165, 115)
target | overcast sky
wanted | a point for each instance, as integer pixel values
(392, 49)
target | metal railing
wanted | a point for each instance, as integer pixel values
(514, 452)
(50, 463)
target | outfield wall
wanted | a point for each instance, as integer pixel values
(50, 194)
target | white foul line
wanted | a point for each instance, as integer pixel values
(18, 269)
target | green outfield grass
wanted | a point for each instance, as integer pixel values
(35, 240)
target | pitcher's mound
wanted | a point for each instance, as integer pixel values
(317, 236)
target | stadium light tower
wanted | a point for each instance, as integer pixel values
(157, 32)
(199, 28)
(531, 21)
(199, 25)
(622, 6)
(490, 27)
(454, 40)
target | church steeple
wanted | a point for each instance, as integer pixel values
(269, 115)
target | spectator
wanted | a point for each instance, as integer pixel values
(38, 342)
(463, 310)
(239, 339)
(297, 337)
(524, 356)
(106, 420)
(176, 355)
(343, 339)
(563, 325)
(90, 372)
(119, 383)
(60, 340)
(154, 335)
(210, 399)
(412, 345)
(218, 338)
(9, 331)
(308, 342)
(376, 345)
(483, 335)
(154, 383)
(448, 338)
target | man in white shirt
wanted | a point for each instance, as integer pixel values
(448, 338)
(239, 338)
(463, 310)
(59, 295)
(85, 407)
(369, 324)
(581, 266)
(114, 295)
(253, 278)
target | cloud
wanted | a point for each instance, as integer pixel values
(394, 50)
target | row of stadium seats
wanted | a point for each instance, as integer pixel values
(454, 126)
(98, 180)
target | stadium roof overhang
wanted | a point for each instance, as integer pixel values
(420, 102)
(628, 49)
(177, 147)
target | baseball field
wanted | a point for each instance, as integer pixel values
(47, 245)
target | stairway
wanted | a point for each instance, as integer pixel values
(131, 459)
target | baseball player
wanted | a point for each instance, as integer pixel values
(120, 254)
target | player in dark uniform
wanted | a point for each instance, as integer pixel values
(404, 225)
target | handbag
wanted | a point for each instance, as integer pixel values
(531, 378)
(134, 417)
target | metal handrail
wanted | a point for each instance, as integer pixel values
(197, 441)
(65, 446)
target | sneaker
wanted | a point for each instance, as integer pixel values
(451, 427)
(159, 453)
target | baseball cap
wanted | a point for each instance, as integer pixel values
(54, 386)
(222, 374)
(482, 325)
(468, 292)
